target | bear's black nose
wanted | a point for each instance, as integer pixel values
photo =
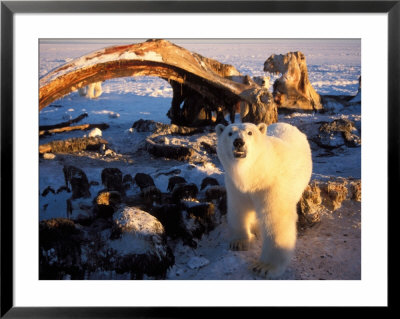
(238, 142)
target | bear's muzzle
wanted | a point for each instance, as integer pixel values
(239, 151)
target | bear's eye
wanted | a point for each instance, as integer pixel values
(250, 133)
(230, 134)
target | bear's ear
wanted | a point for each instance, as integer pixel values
(262, 127)
(219, 129)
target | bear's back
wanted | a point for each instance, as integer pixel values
(298, 159)
(287, 133)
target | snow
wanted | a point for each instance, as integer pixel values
(197, 262)
(95, 132)
(357, 98)
(334, 68)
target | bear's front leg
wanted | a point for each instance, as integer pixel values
(241, 216)
(278, 232)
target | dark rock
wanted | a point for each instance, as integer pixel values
(94, 183)
(135, 200)
(203, 214)
(112, 198)
(223, 206)
(342, 125)
(151, 194)
(337, 133)
(77, 179)
(127, 181)
(186, 221)
(184, 191)
(199, 210)
(140, 247)
(333, 194)
(47, 190)
(139, 265)
(189, 241)
(99, 225)
(170, 216)
(355, 190)
(176, 152)
(309, 207)
(325, 195)
(185, 130)
(157, 127)
(194, 228)
(210, 149)
(144, 180)
(59, 249)
(330, 140)
(149, 191)
(112, 179)
(176, 225)
(80, 210)
(104, 211)
(215, 192)
(106, 203)
(174, 180)
(62, 189)
(217, 195)
(208, 181)
(149, 126)
(100, 147)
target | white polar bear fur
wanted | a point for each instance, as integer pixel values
(92, 91)
(264, 188)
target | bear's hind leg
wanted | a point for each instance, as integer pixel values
(273, 267)
(278, 233)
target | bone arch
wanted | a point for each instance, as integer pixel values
(160, 58)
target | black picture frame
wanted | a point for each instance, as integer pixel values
(9, 8)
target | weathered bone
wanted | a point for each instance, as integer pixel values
(293, 89)
(160, 58)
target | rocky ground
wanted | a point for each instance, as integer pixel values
(329, 250)
(151, 204)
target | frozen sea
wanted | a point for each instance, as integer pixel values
(333, 65)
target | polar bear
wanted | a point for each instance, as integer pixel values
(265, 176)
(92, 91)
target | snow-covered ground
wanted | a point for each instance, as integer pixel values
(334, 68)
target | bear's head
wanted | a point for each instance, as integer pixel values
(237, 141)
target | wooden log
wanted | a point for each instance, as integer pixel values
(83, 127)
(63, 124)
(72, 145)
(209, 78)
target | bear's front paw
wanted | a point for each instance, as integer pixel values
(266, 270)
(239, 244)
